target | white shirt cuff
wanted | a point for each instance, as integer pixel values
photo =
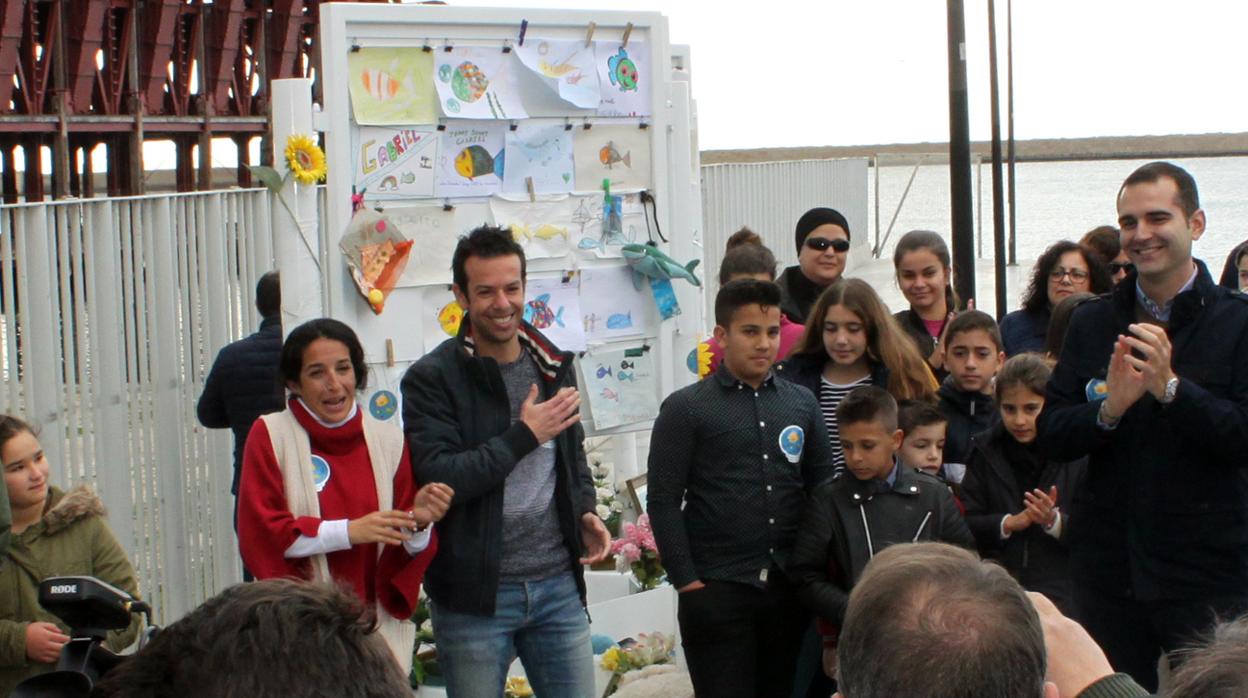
(419, 540)
(330, 537)
(1056, 529)
(1004, 533)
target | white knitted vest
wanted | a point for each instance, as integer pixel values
(385, 449)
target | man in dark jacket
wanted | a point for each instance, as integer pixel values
(508, 578)
(243, 382)
(1152, 385)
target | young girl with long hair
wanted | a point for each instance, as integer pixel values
(924, 272)
(851, 340)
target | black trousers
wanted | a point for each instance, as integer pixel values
(1134, 634)
(741, 641)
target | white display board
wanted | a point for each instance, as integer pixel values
(446, 121)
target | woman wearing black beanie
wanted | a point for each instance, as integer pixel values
(822, 246)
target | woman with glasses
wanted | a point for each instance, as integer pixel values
(822, 246)
(1064, 269)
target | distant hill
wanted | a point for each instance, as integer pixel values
(1044, 149)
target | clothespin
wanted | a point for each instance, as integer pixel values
(446, 205)
(514, 125)
(389, 353)
(628, 31)
(524, 27)
(441, 127)
(447, 47)
(426, 47)
(355, 48)
(567, 275)
(567, 124)
(643, 125)
(506, 45)
(587, 125)
(589, 35)
(528, 181)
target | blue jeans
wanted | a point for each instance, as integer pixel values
(542, 622)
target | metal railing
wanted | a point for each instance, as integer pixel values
(111, 312)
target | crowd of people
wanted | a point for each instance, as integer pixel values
(919, 503)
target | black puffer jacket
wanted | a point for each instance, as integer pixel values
(993, 487)
(457, 419)
(242, 385)
(968, 415)
(848, 521)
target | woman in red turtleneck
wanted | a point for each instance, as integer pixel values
(327, 491)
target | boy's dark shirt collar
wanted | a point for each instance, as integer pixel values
(727, 380)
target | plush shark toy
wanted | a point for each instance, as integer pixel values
(648, 260)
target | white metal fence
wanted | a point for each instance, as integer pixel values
(769, 197)
(111, 312)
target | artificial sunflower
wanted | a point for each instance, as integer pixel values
(305, 159)
(704, 359)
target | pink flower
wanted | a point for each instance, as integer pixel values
(630, 552)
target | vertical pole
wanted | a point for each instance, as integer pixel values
(876, 167)
(998, 195)
(296, 241)
(960, 157)
(1009, 111)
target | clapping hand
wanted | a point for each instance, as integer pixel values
(1154, 368)
(1041, 506)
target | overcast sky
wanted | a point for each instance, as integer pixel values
(848, 72)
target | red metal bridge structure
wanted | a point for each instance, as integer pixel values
(77, 74)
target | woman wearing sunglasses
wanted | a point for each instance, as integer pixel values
(1064, 269)
(1104, 240)
(822, 246)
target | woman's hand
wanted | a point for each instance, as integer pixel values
(44, 642)
(380, 527)
(431, 503)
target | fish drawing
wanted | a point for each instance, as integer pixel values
(450, 317)
(624, 376)
(546, 231)
(604, 371)
(537, 313)
(475, 161)
(609, 155)
(468, 82)
(622, 71)
(379, 84)
(408, 178)
(610, 394)
(620, 321)
(627, 364)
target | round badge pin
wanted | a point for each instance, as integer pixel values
(320, 472)
(792, 439)
(383, 405)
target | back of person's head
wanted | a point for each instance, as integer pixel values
(484, 242)
(1217, 668)
(912, 414)
(297, 342)
(736, 294)
(1104, 240)
(1188, 198)
(746, 255)
(1059, 321)
(1037, 297)
(269, 294)
(929, 620)
(1022, 371)
(278, 637)
(868, 404)
(971, 320)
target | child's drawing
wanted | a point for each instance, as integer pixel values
(605, 228)
(554, 308)
(611, 308)
(617, 152)
(394, 163)
(624, 76)
(542, 154)
(475, 82)
(471, 159)
(567, 67)
(543, 228)
(620, 386)
(392, 86)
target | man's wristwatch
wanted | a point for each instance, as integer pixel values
(1172, 389)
